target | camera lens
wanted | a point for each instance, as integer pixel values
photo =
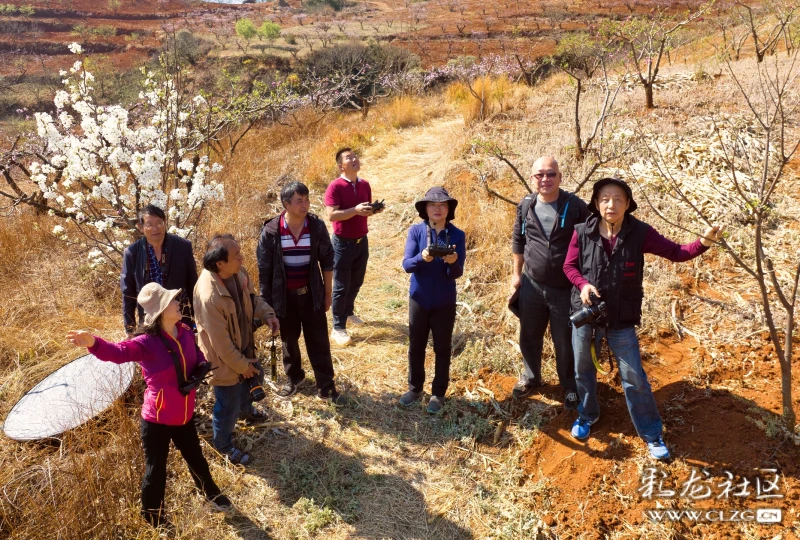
(257, 392)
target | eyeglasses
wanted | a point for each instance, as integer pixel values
(539, 176)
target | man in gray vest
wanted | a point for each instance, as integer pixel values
(543, 229)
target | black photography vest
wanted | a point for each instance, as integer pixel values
(618, 278)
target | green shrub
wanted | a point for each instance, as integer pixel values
(246, 29)
(186, 48)
(269, 31)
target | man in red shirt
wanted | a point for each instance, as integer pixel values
(347, 201)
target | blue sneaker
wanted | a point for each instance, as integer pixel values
(658, 449)
(582, 428)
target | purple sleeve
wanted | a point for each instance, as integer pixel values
(657, 244)
(201, 358)
(130, 350)
(571, 268)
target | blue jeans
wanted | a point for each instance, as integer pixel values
(540, 305)
(349, 269)
(231, 402)
(638, 394)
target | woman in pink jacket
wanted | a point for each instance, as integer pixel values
(167, 353)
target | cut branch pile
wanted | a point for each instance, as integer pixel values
(699, 165)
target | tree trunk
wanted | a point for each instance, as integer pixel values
(648, 96)
(578, 142)
(789, 417)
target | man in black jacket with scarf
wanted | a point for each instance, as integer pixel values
(542, 232)
(295, 273)
(157, 257)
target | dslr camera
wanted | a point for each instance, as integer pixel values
(197, 377)
(256, 384)
(596, 313)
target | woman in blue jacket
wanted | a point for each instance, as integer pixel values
(434, 256)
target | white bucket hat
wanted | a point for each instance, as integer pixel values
(154, 299)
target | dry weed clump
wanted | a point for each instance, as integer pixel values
(405, 112)
(484, 97)
(53, 488)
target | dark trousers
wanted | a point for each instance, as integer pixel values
(539, 306)
(301, 317)
(421, 323)
(349, 268)
(155, 440)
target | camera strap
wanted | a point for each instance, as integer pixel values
(433, 239)
(597, 359)
(176, 362)
(273, 361)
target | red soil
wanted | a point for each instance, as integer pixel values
(597, 482)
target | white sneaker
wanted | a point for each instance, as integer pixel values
(341, 337)
(355, 320)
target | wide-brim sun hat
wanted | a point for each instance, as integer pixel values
(154, 299)
(617, 182)
(436, 194)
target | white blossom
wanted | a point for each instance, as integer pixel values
(102, 160)
(61, 99)
(186, 165)
(75, 48)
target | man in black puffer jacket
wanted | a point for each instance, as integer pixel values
(295, 274)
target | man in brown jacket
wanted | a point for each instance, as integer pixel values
(225, 308)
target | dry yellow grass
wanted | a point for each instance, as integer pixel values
(484, 97)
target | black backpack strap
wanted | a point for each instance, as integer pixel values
(175, 362)
(526, 206)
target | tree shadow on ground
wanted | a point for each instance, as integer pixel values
(702, 426)
(326, 485)
(246, 528)
(544, 410)
(716, 427)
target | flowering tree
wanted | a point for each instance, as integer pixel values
(97, 166)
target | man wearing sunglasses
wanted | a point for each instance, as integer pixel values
(542, 232)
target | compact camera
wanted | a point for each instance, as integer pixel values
(256, 384)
